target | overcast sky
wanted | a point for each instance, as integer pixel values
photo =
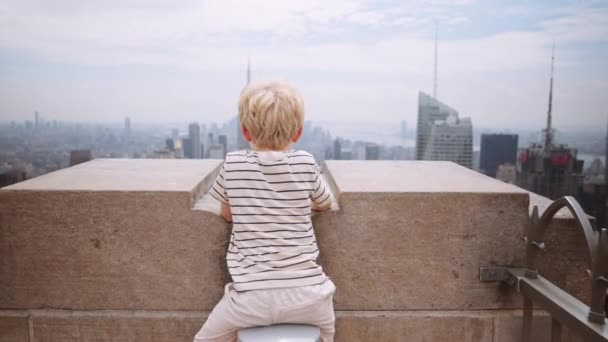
(166, 60)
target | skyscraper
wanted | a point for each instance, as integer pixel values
(548, 169)
(337, 149)
(79, 156)
(441, 134)
(187, 148)
(195, 140)
(241, 143)
(497, 149)
(223, 140)
(372, 151)
(127, 127)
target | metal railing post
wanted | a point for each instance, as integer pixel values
(527, 324)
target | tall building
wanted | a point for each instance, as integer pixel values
(127, 127)
(37, 120)
(215, 151)
(223, 140)
(12, 176)
(549, 169)
(497, 149)
(441, 134)
(170, 144)
(79, 156)
(187, 148)
(194, 135)
(507, 173)
(337, 149)
(372, 151)
(241, 143)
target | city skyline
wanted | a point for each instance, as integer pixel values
(352, 60)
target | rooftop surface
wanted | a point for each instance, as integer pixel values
(412, 176)
(176, 175)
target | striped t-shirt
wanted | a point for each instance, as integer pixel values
(272, 242)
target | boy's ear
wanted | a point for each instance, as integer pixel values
(246, 134)
(298, 135)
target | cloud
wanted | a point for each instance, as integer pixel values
(352, 40)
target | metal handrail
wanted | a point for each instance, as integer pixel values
(597, 248)
(587, 321)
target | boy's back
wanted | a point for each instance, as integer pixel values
(272, 244)
(268, 193)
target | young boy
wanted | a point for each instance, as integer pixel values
(268, 193)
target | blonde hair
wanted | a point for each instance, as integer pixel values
(272, 112)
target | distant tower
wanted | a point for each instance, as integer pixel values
(79, 156)
(223, 140)
(241, 143)
(337, 149)
(127, 127)
(550, 170)
(435, 72)
(549, 130)
(440, 133)
(497, 150)
(194, 131)
(36, 120)
(248, 71)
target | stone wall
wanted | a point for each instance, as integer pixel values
(112, 250)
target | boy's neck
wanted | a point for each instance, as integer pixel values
(263, 149)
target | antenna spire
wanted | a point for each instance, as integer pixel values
(435, 73)
(549, 129)
(248, 70)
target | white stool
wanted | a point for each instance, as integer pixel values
(280, 333)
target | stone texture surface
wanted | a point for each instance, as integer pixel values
(14, 329)
(388, 176)
(413, 326)
(180, 175)
(389, 250)
(508, 328)
(109, 250)
(119, 325)
(74, 328)
(392, 245)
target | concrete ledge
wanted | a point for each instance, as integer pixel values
(351, 326)
(508, 328)
(14, 328)
(128, 175)
(408, 236)
(412, 236)
(85, 249)
(414, 326)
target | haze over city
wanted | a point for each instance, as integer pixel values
(354, 61)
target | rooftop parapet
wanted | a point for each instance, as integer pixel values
(404, 249)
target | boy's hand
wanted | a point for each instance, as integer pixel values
(225, 212)
(315, 206)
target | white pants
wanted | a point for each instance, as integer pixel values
(305, 305)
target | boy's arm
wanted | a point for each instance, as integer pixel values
(218, 191)
(320, 197)
(226, 213)
(317, 207)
